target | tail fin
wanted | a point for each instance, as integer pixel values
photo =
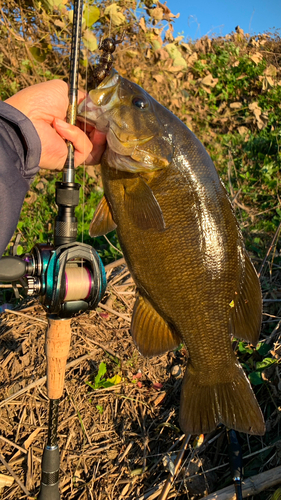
(233, 404)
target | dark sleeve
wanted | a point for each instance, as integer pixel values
(20, 151)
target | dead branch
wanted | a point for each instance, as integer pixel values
(251, 486)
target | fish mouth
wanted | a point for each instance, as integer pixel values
(110, 81)
(100, 100)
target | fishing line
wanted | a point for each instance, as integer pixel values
(84, 129)
(111, 244)
(110, 23)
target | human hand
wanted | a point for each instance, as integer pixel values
(45, 104)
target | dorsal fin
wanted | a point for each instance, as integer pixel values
(246, 315)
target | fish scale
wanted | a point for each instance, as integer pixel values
(181, 241)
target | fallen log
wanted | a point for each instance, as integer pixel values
(251, 486)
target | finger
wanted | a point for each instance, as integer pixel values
(79, 139)
(98, 140)
(81, 95)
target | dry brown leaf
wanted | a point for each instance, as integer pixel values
(254, 107)
(255, 43)
(267, 82)
(209, 81)
(142, 24)
(256, 110)
(176, 103)
(159, 78)
(115, 14)
(221, 107)
(204, 45)
(112, 454)
(199, 45)
(5, 481)
(59, 23)
(178, 39)
(235, 105)
(125, 490)
(243, 130)
(207, 89)
(270, 71)
(187, 47)
(157, 401)
(167, 13)
(241, 76)
(31, 197)
(256, 57)
(173, 69)
(192, 59)
(169, 36)
(156, 13)
(162, 54)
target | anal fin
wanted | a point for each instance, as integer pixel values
(246, 315)
(102, 222)
(151, 333)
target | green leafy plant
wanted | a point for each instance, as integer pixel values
(100, 409)
(101, 382)
(255, 361)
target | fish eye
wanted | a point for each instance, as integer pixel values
(140, 102)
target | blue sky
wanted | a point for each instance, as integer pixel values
(201, 17)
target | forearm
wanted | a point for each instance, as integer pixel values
(20, 150)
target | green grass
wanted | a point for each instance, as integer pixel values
(39, 211)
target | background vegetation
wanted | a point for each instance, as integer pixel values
(227, 90)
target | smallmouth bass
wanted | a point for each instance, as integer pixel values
(181, 241)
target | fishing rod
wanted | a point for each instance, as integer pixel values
(235, 462)
(68, 277)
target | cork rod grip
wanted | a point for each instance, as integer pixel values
(57, 345)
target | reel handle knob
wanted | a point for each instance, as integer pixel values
(12, 269)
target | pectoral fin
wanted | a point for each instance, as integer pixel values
(102, 222)
(151, 333)
(142, 206)
(246, 315)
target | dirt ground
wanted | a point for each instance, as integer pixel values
(118, 436)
